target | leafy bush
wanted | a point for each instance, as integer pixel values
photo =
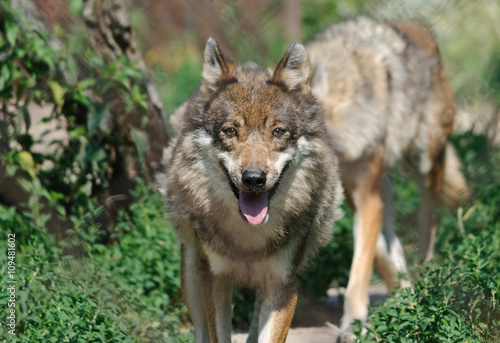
(127, 291)
(454, 303)
(75, 285)
(34, 71)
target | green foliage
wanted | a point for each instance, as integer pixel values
(33, 71)
(176, 86)
(316, 15)
(451, 303)
(127, 291)
(480, 161)
(73, 285)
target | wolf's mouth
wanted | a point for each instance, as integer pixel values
(254, 206)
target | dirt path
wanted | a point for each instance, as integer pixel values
(310, 322)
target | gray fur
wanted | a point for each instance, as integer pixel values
(359, 56)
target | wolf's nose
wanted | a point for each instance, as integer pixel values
(254, 178)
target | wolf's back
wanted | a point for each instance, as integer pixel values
(384, 85)
(379, 86)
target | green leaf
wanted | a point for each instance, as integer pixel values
(4, 76)
(392, 313)
(26, 162)
(64, 316)
(57, 92)
(86, 83)
(138, 97)
(76, 6)
(34, 318)
(141, 142)
(11, 32)
(97, 117)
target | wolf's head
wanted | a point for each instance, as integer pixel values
(256, 122)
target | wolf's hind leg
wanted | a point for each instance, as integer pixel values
(444, 184)
(191, 291)
(364, 188)
(217, 290)
(390, 259)
(430, 184)
(426, 223)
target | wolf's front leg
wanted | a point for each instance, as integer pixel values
(276, 312)
(253, 333)
(191, 291)
(217, 291)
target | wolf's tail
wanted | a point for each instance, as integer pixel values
(454, 191)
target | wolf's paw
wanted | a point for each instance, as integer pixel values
(341, 336)
(345, 338)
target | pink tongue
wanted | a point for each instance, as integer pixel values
(254, 207)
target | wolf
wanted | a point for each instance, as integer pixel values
(387, 103)
(251, 186)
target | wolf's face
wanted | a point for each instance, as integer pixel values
(257, 139)
(255, 119)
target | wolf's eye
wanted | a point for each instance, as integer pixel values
(279, 132)
(230, 132)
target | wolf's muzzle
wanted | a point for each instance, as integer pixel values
(254, 179)
(254, 201)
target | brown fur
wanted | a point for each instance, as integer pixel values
(418, 35)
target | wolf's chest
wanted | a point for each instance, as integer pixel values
(251, 271)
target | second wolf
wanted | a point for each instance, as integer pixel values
(387, 101)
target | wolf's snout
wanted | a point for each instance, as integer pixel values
(254, 178)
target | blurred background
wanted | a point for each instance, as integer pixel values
(86, 90)
(172, 34)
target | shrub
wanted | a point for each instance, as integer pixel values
(126, 291)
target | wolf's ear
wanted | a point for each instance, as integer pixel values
(216, 67)
(320, 86)
(293, 69)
